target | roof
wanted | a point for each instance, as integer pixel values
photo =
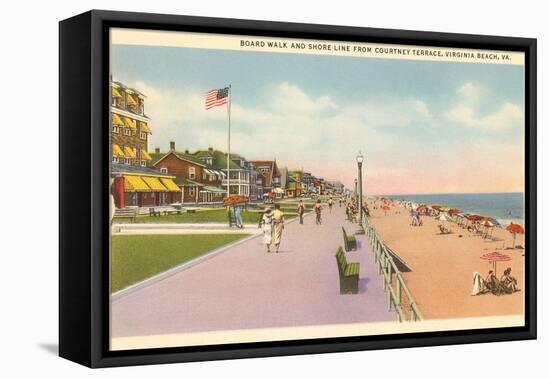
(124, 86)
(182, 155)
(219, 159)
(117, 168)
(183, 181)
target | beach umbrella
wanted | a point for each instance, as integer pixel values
(422, 208)
(494, 257)
(444, 208)
(488, 226)
(474, 217)
(234, 200)
(385, 208)
(515, 229)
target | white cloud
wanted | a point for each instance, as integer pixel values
(467, 111)
(290, 98)
(391, 113)
(470, 92)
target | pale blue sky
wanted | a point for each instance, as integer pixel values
(408, 117)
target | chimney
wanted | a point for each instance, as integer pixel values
(172, 146)
(210, 150)
(157, 150)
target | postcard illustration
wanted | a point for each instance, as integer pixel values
(275, 189)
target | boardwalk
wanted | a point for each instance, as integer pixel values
(245, 287)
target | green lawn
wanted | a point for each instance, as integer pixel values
(137, 257)
(201, 216)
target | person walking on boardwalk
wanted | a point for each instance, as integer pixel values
(318, 212)
(238, 217)
(330, 204)
(278, 226)
(266, 224)
(301, 210)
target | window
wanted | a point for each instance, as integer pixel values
(191, 190)
(204, 175)
(115, 159)
(127, 161)
(115, 129)
(143, 135)
(163, 170)
(127, 131)
(144, 163)
(192, 173)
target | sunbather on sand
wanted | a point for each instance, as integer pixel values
(508, 282)
(491, 281)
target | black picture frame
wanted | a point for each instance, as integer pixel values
(83, 193)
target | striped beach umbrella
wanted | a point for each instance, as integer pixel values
(494, 257)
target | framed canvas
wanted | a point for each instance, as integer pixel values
(234, 188)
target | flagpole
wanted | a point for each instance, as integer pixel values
(228, 139)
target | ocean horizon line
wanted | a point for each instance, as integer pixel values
(442, 193)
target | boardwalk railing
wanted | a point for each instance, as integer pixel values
(399, 296)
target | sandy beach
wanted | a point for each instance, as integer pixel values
(443, 265)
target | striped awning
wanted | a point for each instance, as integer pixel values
(115, 119)
(135, 184)
(115, 92)
(131, 99)
(129, 153)
(129, 123)
(145, 155)
(117, 151)
(170, 184)
(144, 127)
(154, 184)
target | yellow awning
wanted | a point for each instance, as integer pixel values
(115, 92)
(129, 153)
(131, 100)
(145, 128)
(128, 123)
(145, 155)
(117, 151)
(170, 184)
(116, 120)
(155, 184)
(135, 183)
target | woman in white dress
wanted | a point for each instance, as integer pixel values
(266, 224)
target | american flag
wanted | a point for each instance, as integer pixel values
(216, 97)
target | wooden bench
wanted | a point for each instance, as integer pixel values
(125, 214)
(153, 212)
(350, 242)
(348, 272)
(171, 211)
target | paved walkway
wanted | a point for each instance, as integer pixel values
(245, 287)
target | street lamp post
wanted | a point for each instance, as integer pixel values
(359, 175)
(355, 192)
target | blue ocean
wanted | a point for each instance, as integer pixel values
(505, 207)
